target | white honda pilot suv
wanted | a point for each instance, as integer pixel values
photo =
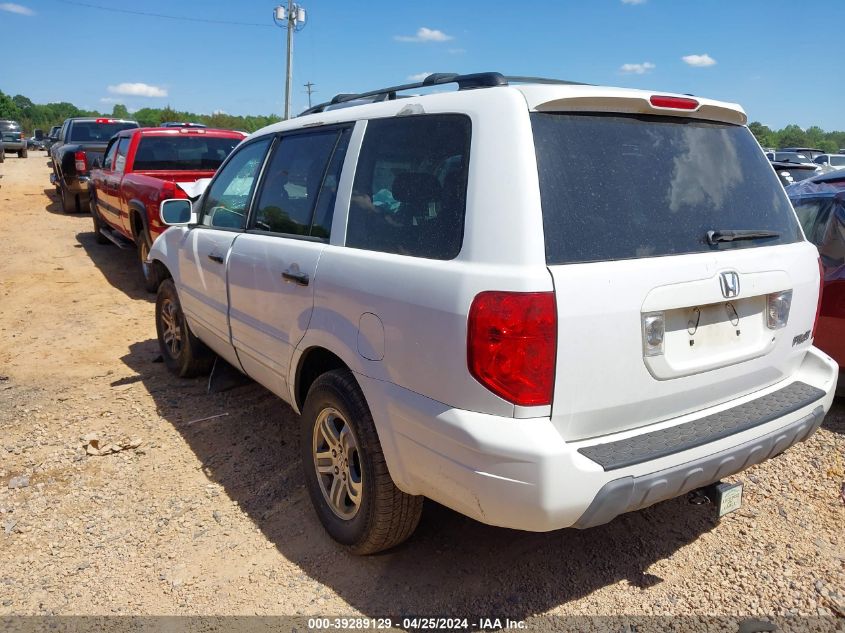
(541, 304)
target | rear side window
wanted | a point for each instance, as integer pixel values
(823, 221)
(93, 132)
(182, 153)
(837, 161)
(624, 187)
(409, 194)
(298, 180)
(120, 157)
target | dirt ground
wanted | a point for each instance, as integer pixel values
(211, 516)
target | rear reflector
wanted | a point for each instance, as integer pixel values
(673, 103)
(511, 345)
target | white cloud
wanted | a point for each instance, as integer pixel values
(11, 7)
(633, 1)
(138, 90)
(701, 61)
(219, 112)
(637, 69)
(425, 34)
(418, 76)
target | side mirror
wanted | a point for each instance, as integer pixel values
(177, 212)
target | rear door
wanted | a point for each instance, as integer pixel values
(204, 253)
(655, 319)
(272, 267)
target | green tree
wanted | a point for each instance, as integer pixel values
(119, 111)
(792, 136)
(762, 133)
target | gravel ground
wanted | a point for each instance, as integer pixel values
(125, 491)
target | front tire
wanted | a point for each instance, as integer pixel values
(98, 224)
(149, 272)
(184, 354)
(345, 471)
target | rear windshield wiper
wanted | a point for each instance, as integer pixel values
(714, 237)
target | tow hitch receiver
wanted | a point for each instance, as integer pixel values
(726, 497)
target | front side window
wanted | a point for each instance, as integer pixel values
(837, 161)
(630, 186)
(120, 155)
(227, 201)
(108, 160)
(296, 183)
(409, 194)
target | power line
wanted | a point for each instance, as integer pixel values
(161, 15)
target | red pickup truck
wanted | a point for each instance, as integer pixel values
(142, 167)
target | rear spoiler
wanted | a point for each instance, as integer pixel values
(610, 101)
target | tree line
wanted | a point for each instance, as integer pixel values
(33, 116)
(44, 116)
(795, 136)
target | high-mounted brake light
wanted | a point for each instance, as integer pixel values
(190, 130)
(821, 292)
(673, 103)
(105, 120)
(511, 345)
(80, 161)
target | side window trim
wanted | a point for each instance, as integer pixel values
(280, 137)
(204, 198)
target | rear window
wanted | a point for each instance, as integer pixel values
(631, 186)
(93, 132)
(182, 153)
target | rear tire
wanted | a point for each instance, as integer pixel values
(23, 153)
(184, 354)
(70, 203)
(345, 471)
(149, 273)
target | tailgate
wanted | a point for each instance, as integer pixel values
(714, 348)
(670, 241)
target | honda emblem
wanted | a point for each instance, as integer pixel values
(730, 284)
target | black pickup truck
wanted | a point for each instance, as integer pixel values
(81, 141)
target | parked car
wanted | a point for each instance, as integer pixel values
(142, 167)
(820, 205)
(790, 173)
(2, 150)
(837, 161)
(14, 138)
(80, 141)
(52, 137)
(809, 152)
(36, 141)
(795, 158)
(182, 124)
(541, 305)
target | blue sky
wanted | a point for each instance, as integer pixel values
(760, 53)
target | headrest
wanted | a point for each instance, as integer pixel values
(415, 187)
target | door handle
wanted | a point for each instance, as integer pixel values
(296, 277)
(215, 258)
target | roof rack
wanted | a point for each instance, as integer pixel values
(465, 82)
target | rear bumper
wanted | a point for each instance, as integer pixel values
(78, 185)
(521, 474)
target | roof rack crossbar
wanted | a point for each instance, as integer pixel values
(465, 82)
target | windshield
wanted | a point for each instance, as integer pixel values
(182, 153)
(93, 132)
(628, 186)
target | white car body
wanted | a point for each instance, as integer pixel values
(400, 324)
(836, 161)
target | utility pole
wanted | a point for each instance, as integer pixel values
(309, 88)
(293, 19)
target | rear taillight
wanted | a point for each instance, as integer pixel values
(821, 292)
(80, 160)
(673, 103)
(170, 190)
(511, 345)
